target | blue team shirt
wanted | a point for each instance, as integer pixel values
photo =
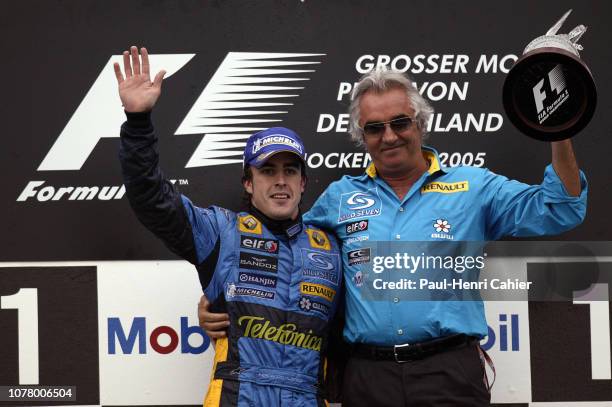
(459, 204)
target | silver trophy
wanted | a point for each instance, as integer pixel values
(549, 94)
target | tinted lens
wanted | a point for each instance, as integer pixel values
(400, 124)
(374, 129)
(397, 125)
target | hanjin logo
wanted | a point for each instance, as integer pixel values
(234, 104)
(256, 279)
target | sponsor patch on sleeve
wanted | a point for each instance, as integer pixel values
(446, 187)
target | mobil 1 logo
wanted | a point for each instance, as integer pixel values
(49, 322)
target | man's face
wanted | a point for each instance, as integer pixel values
(393, 152)
(276, 188)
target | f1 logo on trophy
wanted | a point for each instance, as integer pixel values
(549, 94)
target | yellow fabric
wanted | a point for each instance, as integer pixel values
(213, 395)
(434, 164)
(318, 239)
(248, 224)
(371, 170)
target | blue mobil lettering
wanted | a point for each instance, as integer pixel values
(505, 336)
(137, 333)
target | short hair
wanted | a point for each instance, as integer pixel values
(380, 80)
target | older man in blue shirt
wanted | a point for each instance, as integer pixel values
(406, 195)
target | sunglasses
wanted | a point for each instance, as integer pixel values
(398, 125)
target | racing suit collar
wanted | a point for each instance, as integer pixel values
(430, 154)
(285, 227)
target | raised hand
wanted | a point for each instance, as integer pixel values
(137, 92)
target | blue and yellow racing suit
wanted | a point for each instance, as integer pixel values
(279, 282)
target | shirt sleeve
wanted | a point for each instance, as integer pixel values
(521, 210)
(321, 213)
(187, 230)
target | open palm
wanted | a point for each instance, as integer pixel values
(137, 92)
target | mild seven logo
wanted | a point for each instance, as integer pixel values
(360, 204)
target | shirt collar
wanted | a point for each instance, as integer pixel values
(286, 227)
(430, 154)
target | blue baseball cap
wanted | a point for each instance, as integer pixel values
(264, 144)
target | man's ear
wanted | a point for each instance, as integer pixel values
(303, 183)
(248, 185)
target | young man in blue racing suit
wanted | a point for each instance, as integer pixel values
(278, 279)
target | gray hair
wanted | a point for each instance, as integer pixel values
(380, 80)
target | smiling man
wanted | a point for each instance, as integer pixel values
(278, 279)
(423, 353)
(426, 353)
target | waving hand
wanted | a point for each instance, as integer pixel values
(137, 92)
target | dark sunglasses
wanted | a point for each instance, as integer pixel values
(398, 125)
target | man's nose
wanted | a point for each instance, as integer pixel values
(280, 179)
(389, 136)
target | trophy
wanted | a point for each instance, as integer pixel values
(549, 94)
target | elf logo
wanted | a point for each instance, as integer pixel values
(230, 108)
(137, 333)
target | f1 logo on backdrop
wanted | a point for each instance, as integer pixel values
(233, 105)
(49, 321)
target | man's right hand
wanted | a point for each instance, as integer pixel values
(215, 325)
(137, 92)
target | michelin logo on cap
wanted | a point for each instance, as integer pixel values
(261, 145)
(276, 139)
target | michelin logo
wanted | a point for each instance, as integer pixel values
(276, 139)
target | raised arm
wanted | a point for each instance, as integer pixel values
(156, 201)
(566, 167)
